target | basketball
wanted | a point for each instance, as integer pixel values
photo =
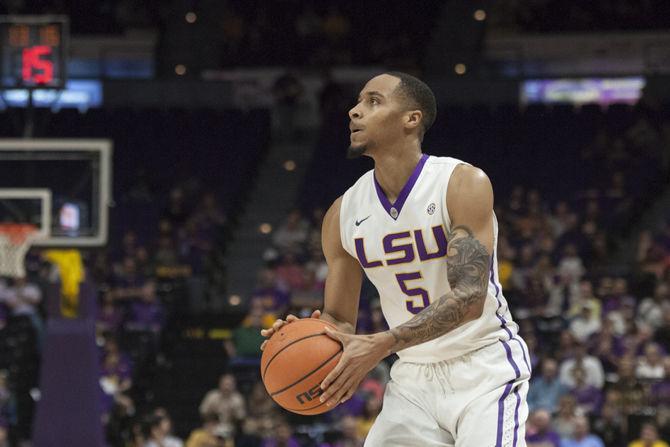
(294, 363)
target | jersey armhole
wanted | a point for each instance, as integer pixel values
(343, 236)
(445, 189)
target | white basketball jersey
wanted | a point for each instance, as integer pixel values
(402, 247)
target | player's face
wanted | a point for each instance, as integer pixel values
(376, 117)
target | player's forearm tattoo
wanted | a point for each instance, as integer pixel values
(467, 270)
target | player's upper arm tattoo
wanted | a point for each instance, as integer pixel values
(468, 263)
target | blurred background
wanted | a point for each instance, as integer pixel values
(165, 167)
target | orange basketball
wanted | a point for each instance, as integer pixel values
(295, 361)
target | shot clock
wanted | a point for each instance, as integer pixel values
(33, 51)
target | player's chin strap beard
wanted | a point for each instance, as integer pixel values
(355, 152)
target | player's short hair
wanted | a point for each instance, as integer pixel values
(419, 95)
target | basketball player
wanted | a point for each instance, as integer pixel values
(422, 228)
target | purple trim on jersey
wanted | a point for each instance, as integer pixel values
(501, 412)
(501, 401)
(404, 193)
(510, 358)
(523, 352)
(495, 284)
(516, 415)
(503, 323)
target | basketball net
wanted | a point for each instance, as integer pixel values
(15, 240)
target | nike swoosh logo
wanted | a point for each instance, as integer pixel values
(358, 222)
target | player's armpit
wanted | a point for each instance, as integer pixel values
(470, 202)
(345, 275)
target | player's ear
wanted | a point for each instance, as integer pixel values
(413, 119)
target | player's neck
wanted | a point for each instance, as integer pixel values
(393, 169)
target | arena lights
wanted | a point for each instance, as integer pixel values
(191, 17)
(480, 15)
(460, 69)
(180, 69)
(265, 228)
(289, 165)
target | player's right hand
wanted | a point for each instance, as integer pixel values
(267, 333)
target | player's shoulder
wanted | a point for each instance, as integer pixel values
(470, 177)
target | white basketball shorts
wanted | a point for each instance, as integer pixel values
(476, 400)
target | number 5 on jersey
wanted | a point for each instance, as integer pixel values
(403, 279)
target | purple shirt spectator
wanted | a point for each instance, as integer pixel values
(109, 317)
(147, 315)
(273, 298)
(660, 393)
(589, 398)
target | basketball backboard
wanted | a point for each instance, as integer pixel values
(68, 179)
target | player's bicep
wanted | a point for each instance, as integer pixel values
(471, 236)
(343, 283)
(470, 203)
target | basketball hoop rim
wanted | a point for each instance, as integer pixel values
(19, 233)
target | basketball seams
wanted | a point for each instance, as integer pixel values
(265, 370)
(306, 375)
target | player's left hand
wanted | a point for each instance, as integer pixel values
(361, 354)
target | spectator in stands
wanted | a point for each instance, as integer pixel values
(283, 437)
(566, 416)
(110, 317)
(650, 366)
(225, 401)
(116, 378)
(607, 346)
(291, 235)
(546, 390)
(373, 406)
(209, 215)
(616, 298)
(318, 269)
(609, 426)
(585, 297)
(290, 272)
(274, 299)
(166, 428)
(208, 435)
(660, 391)
(156, 433)
(591, 365)
(348, 436)
(121, 422)
(582, 436)
(244, 346)
(585, 324)
(146, 313)
(128, 280)
(648, 437)
(632, 393)
(662, 334)
(23, 298)
(129, 246)
(539, 432)
(260, 404)
(166, 256)
(177, 211)
(650, 310)
(588, 397)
